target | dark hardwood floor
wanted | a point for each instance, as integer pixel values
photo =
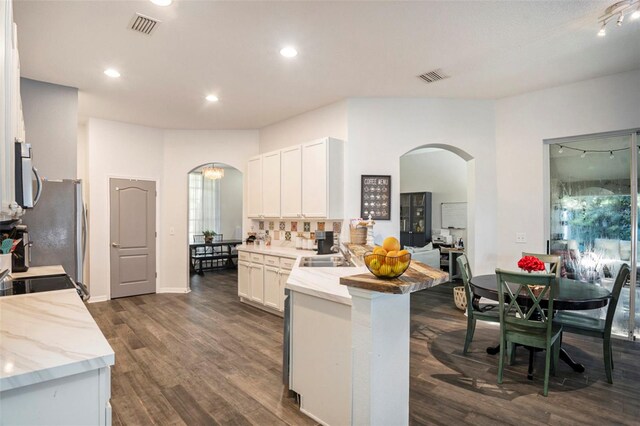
(205, 358)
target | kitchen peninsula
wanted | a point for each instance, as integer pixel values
(55, 361)
(336, 331)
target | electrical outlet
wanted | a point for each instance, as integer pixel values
(521, 237)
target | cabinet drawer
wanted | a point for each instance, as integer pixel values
(287, 263)
(243, 255)
(257, 258)
(271, 260)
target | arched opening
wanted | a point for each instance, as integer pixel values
(214, 216)
(436, 204)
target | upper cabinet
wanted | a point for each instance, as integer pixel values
(271, 184)
(322, 179)
(254, 187)
(11, 119)
(302, 181)
(291, 182)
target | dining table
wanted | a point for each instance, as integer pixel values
(570, 295)
(213, 251)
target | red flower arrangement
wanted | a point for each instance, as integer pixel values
(531, 263)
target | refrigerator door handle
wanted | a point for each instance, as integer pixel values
(38, 186)
(84, 231)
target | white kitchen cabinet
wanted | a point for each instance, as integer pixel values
(254, 187)
(322, 179)
(256, 283)
(271, 184)
(272, 286)
(244, 273)
(291, 182)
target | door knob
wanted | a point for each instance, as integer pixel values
(115, 245)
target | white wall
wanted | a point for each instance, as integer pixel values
(522, 122)
(123, 151)
(231, 190)
(440, 172)
(51, 120)
(185, 150)
(330, 120)
(382, 130)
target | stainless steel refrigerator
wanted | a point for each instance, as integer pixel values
(57, 227)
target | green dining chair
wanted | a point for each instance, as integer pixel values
(581, 324)
(551, 261)
(482, 312)
(528, 324)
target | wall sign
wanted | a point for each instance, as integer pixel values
(375, 192)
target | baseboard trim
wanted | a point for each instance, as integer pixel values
(96, 299)
(180, 290)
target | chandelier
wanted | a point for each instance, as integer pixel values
(212, 172)
(618, 11)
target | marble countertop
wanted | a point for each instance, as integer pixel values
(39, 271)
(48, 335)
(323, 282)
(278, 250)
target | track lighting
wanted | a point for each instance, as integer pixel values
(611, 154)
(618, 9)
(560, 151)
(603, 30)
(584, 154)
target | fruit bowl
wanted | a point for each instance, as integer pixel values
(384, 266)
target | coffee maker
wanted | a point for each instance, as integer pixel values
(325, 241)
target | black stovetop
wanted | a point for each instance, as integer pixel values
(39, 284)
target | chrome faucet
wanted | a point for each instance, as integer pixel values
(343, 251)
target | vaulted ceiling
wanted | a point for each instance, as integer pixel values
(490, 49)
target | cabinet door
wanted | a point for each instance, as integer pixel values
(284, 276)
(256, 281)
(314, 179)
(271, 184)
(291, 183)
(271, 286)
(254, 187)
(244, 272)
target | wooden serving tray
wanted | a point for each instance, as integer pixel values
(417, 277)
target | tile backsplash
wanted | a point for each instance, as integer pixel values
(277, 229)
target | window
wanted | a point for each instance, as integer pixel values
(204, 205)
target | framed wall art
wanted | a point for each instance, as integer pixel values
(375, 193)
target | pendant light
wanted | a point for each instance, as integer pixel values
(212, 172)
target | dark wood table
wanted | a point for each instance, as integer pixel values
(570, 295)
(206, 252)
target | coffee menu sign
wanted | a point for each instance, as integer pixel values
(376, 197)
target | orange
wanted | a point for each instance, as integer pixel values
(380, 250)
(403, 255)
(391, 244)
(392, 258)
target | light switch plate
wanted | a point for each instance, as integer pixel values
(172, 230)
(521, 237)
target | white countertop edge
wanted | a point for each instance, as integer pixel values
(283, 251)
(319, 293)
(45, 374)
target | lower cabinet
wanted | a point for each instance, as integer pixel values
(261, 279)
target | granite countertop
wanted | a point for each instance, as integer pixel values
(48, 335)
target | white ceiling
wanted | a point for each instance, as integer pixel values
(347, 49)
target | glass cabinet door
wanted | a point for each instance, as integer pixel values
(405, 212)
(417, 212)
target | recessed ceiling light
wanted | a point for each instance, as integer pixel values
(162, 2)
(212, 98)
(288, 52)
(112, 73)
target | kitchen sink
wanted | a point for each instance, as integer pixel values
(325, 262)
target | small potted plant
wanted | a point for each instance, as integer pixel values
(208, 236)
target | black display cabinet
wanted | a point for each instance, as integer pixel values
(415, 219)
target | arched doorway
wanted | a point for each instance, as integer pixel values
(214, 203)
(437, 183)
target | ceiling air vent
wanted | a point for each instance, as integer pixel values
(433, 76)
(143, 24)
